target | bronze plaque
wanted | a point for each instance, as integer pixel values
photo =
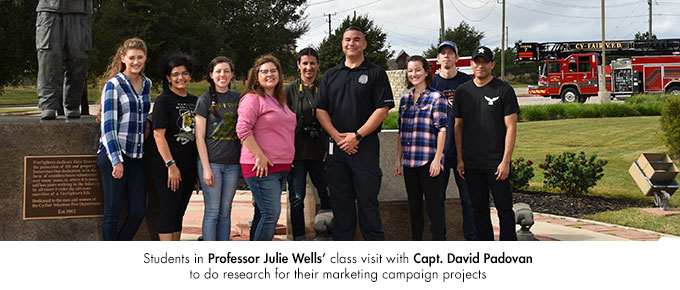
(62, 187)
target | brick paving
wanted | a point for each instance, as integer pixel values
(242, 213)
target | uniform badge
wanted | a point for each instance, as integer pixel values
(363, 79)
(491, 100)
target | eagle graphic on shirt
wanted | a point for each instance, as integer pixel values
(491, 100)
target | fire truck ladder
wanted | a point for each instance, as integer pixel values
(535, 51)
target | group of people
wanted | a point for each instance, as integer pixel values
(326, 128)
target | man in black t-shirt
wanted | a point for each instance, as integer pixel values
(353, 100)
(486, 126)
(447, 81)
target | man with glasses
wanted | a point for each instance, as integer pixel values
(353, 100)
(447, 81)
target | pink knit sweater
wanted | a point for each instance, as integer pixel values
(273, 127)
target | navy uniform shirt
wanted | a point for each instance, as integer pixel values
(351, 95)
(448, 89)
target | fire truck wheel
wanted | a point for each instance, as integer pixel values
(673, 90)
(570, 95)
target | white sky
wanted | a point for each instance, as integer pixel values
(413, 25)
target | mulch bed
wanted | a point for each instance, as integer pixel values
(573, 205)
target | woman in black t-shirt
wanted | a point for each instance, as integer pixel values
(174, 166)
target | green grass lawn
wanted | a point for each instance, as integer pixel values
(618, 140)
(520, 85)
(27, 95)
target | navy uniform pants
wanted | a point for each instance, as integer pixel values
(354, 183)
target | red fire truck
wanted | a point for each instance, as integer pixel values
(571, 70)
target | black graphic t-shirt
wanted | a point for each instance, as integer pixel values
(448, 89)
(483, 110)
(223, 145)
(176, 115)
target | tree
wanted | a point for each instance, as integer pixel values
(239, 29)
(257, 27)
(18, 60)
(644, 36)
(466, 37)
(377, 51)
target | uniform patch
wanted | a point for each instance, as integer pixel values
(363, 79)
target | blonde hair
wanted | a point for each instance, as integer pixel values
(253, 86)
(116, 65)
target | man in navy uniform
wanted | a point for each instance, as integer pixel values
(353, 100)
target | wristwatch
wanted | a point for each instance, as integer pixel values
(169, 163)
(358, 136)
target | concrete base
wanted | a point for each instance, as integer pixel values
(26, 136)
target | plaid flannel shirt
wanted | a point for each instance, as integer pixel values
(123, 119)
(419, 125)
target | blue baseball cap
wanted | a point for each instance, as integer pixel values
(448, 43)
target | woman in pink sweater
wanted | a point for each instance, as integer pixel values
(267, 128)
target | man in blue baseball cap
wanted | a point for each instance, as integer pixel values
(447, 81)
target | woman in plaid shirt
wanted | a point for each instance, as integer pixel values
(422, 133)
(125, 105)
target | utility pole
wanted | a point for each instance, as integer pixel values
(650, 19)
(602, 93)
(441, 17)
(329, 21)
(503, 44)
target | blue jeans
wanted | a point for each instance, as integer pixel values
(267, 193)
(217, 200)
(297, 185)
(468, 217)
(133, 187)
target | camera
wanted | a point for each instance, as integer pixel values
(313, 130)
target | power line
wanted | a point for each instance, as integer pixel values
(625, 20)
(472, 7)
(364, 5)
(557, 4)
(403, 24)
(570, 16)
(468, 18)
(321, 2)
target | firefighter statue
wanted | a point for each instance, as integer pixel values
(62, 37)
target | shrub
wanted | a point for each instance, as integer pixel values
(572, 173)
(670, 125)
(391, 120)
(572, 111)
(648, 99)
(520, 173)
(533, 113)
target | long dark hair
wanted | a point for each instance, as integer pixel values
(212, 90)
(252, 85)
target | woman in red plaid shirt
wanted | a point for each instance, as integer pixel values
(422, 134)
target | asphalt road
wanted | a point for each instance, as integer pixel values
(525, 99)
